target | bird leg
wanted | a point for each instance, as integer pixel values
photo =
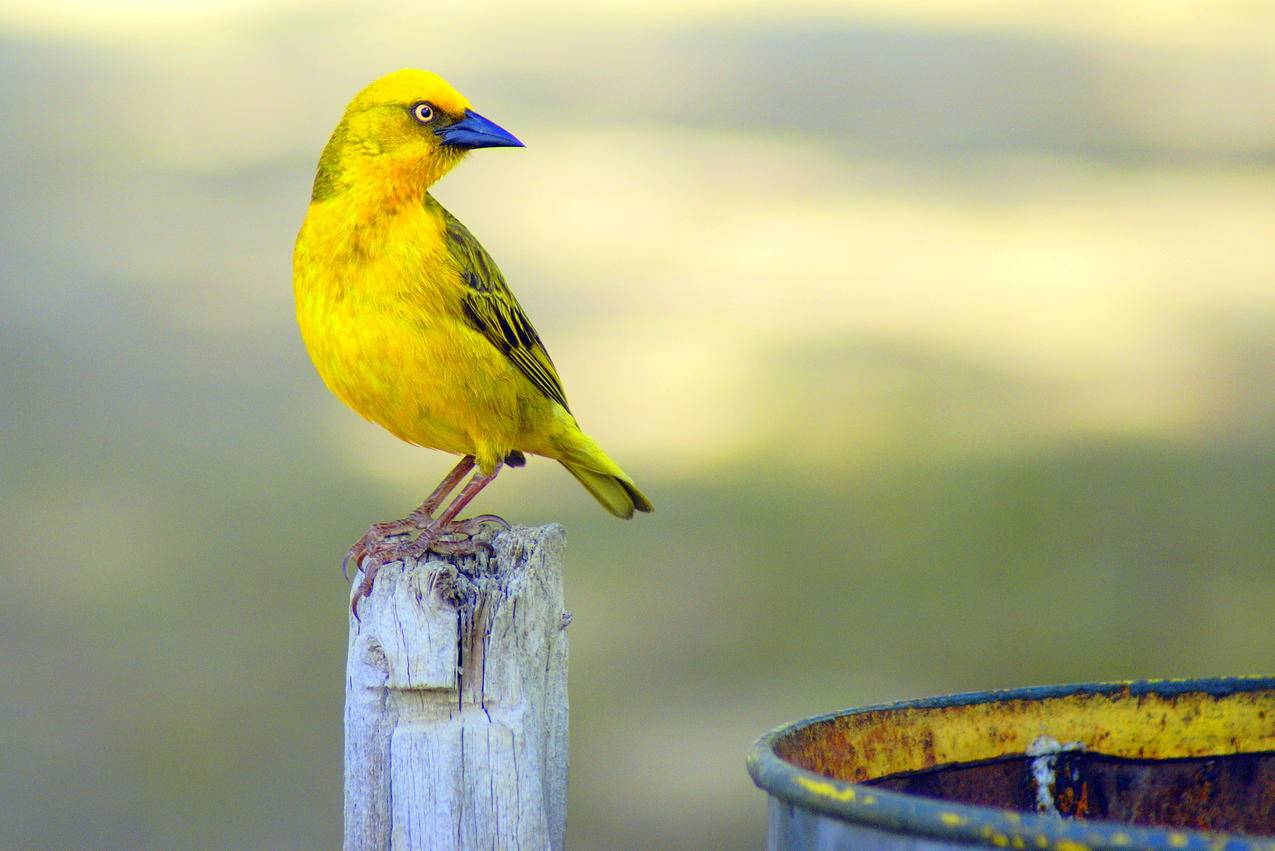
(471, 490)
(445, 536)
(424, 515)
(380, 534)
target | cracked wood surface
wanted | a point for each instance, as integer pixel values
(456, 701)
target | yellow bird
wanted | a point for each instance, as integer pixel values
(409, 322)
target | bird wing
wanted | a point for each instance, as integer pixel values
(492, 309)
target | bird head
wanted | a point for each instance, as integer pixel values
(401, 134)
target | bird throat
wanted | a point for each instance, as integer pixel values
(381, 178)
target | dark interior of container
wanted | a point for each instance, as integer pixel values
(1233, 794)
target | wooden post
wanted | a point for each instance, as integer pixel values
(456, 702)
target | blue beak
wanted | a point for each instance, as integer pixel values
(474, 131)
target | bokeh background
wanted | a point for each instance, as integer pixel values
(942, 336)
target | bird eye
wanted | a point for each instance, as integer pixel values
(423, 112)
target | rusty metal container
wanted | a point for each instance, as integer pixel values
(1153, 764)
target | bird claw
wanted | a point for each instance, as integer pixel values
(378, 546)
(374, 540)
(368, 567)
(473, 525)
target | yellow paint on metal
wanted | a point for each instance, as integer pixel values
(827, 790)
(992, 835)
(952, 819)
(1143, 726)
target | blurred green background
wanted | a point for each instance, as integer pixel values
(943, 338)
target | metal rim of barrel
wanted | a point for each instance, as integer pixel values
(881, 808)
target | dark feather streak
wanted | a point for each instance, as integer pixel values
(491, 309)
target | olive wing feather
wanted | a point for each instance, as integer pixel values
(491, 308)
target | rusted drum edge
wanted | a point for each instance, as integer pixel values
(963, 824)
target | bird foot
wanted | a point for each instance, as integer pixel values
(385, 543)
(377, 538)
(472, 526)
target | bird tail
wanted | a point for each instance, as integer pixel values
(617, 494)
(601, 476)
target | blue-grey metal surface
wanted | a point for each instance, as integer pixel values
(796, 827)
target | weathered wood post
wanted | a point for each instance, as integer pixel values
(456, 702)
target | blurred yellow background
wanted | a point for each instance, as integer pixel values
(942, 336)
